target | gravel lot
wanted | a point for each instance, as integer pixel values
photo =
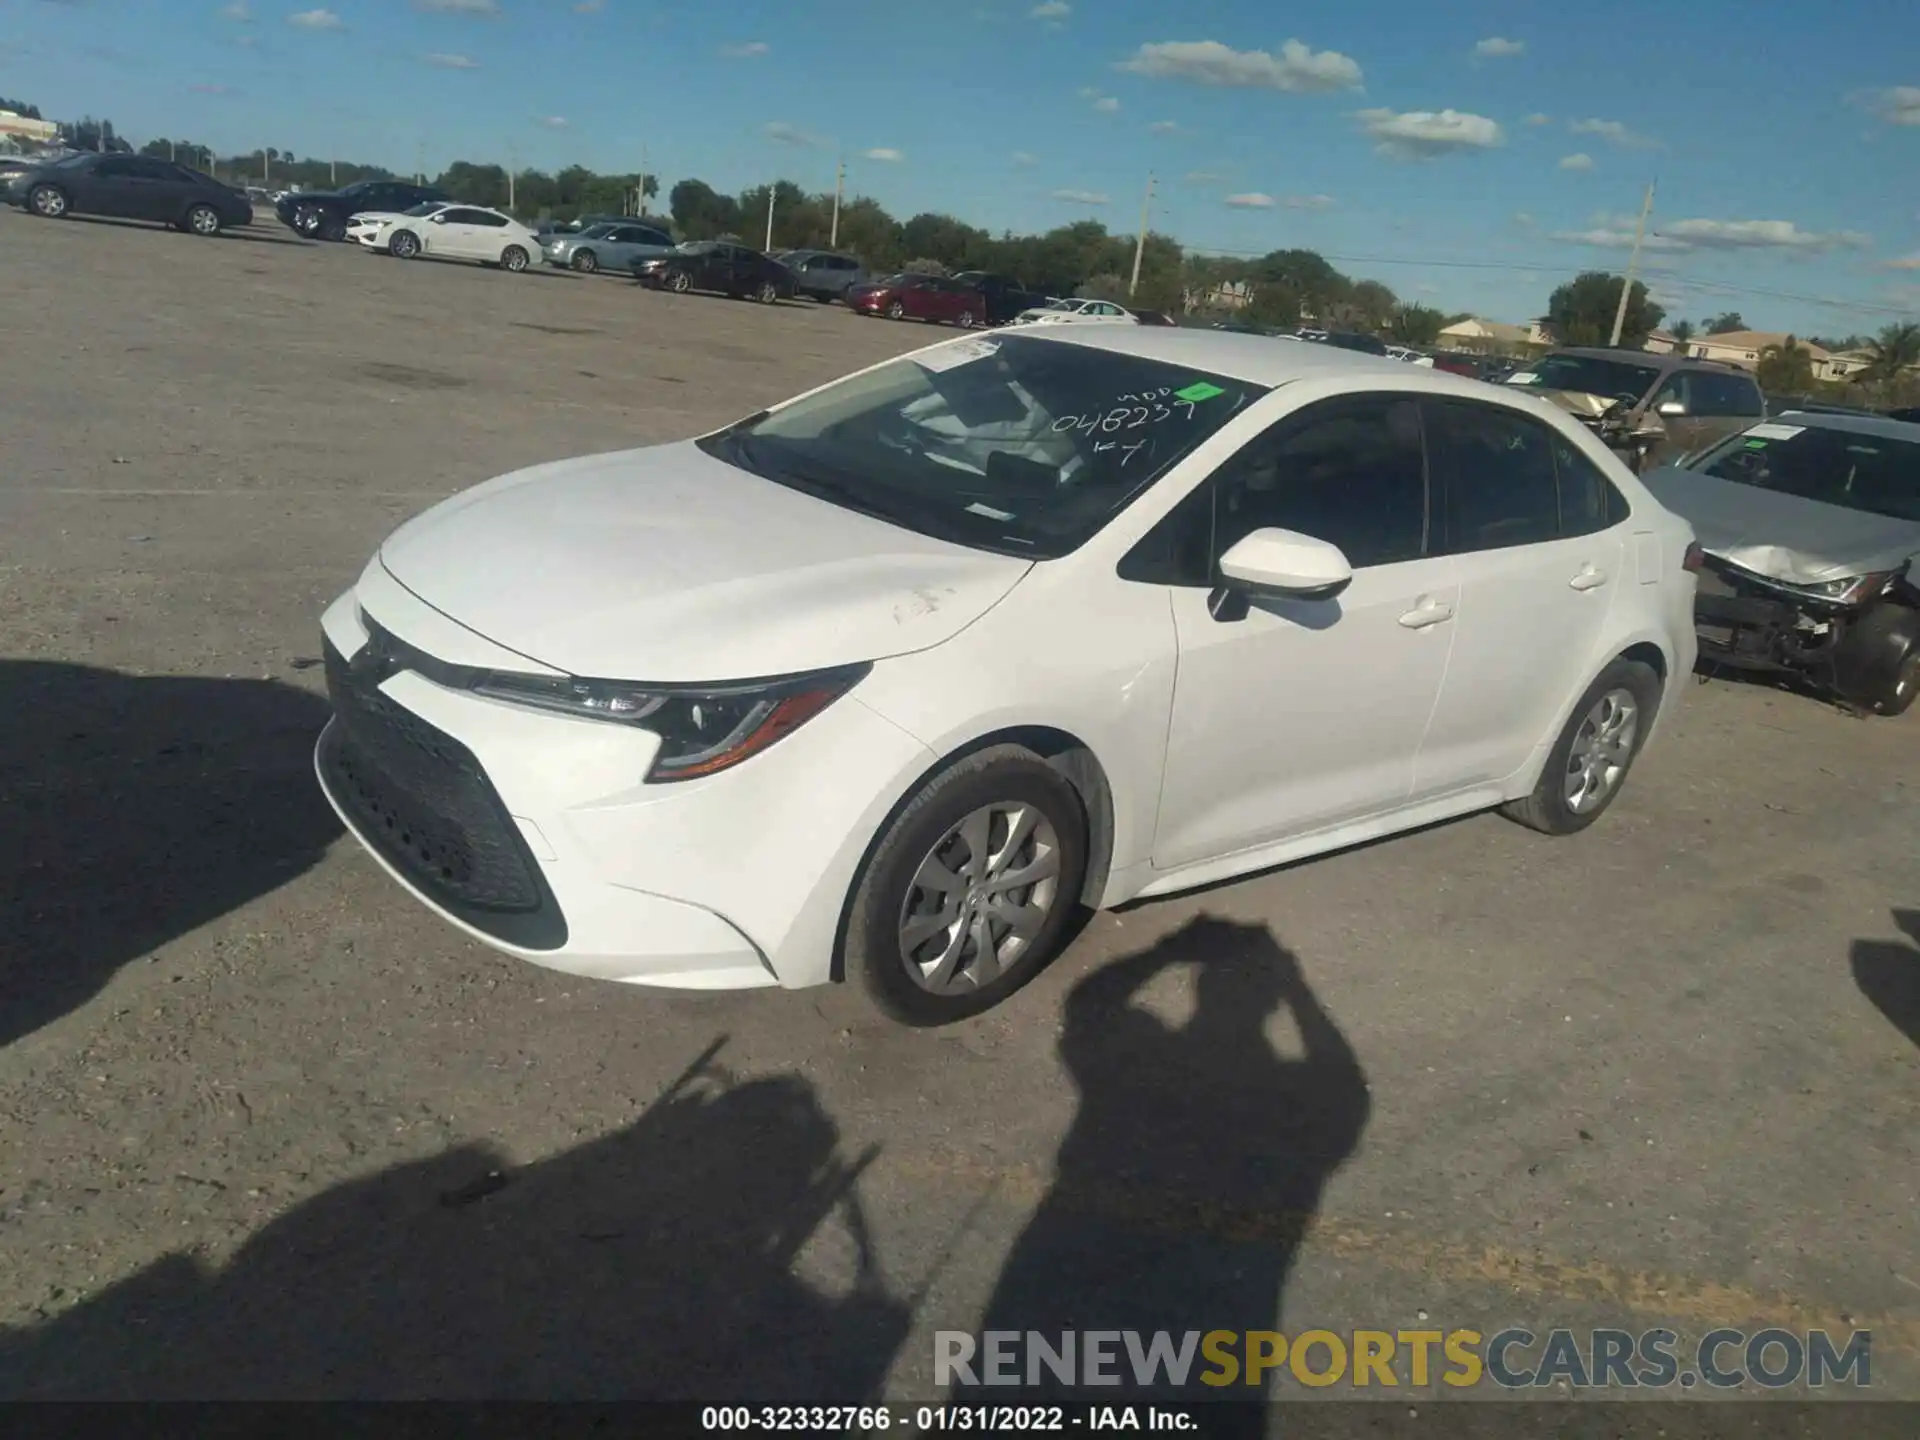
(270, 1129)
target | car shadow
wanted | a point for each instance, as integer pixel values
(254, 234)
(1195, 1163)
(137, 809)
(657, 1262)
(1888, 974)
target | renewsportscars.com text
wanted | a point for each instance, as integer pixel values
(1377, 1359)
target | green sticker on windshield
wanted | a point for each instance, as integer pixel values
(1199, 390)
(1756, 444)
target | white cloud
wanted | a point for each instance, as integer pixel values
(1106, 104)
(316, 20)
(554, 122)
(1309, 202)
(886, 153)
(1522, 218)
(1081, 197)
(484, 9)
(1615, 237)
(1760, 235)
(1050, 10)
(747, 51)
(1496, 47)
(1250, 201)
(238, 12)
(1905, 262)
(1208, 62)
(784, 134)
(1614, 132)
(1899, 105)
(1024, 157)
(1425, 134)
(1164, 127)
(1581, 161)
(451, 62)
(1539, 118)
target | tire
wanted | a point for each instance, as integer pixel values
(585, 261)
(896, 311)
(1564, 801)
(513, 260)
(49, 202)
(1904, 690)
(966, 320)
(983, 795)
(1879, 661)
(332, 227)
(679, 282)
(768, 293)
(306, 221)
(202, 220)
(403, 245)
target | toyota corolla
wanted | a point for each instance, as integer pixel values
(885, 682)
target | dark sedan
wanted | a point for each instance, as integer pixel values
(323, 214)
(130, 187)
(717, 266)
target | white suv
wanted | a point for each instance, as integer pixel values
(888, 680)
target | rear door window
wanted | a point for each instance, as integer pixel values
(1496, 477)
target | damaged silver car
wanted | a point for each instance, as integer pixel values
(1648, 409)
(1811, 530)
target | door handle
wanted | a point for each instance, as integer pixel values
(1588, 578)
(1428, 612)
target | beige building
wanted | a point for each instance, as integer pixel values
(1744, 348)
(1487, 337)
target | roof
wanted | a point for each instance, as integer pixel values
(1260, 359)
(1644, 357)
(1754, 340)
(1878, 425)
(1490, 329)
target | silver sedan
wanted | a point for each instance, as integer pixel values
(613, 246)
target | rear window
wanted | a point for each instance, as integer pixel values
(1589, 375)
(1854, 471)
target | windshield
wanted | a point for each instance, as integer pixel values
(1846, 468)
(596, 232)
(67, 161)
(425, 207)
(1589, 375)
(1019, 446)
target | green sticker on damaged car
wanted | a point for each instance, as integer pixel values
(1199, 390)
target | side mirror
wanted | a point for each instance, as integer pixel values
(1285, 563)
(1672, 409)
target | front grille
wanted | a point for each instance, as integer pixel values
(421, 799)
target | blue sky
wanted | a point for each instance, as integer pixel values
(1471, 155)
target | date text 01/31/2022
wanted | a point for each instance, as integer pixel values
(988, 1419)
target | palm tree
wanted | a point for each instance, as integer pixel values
(1897, 349)
(1786, 368)
(1682, 332)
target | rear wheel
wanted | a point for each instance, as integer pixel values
(48, 201)
(513, 259)
(585, 261)
(1589, 762)
(203, 220)
(768, 293)
(403, 245)
(970, 890)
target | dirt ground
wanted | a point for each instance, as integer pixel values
(268, 1128)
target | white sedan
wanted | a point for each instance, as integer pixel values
(451, 232)
(841, 690)
(1077, 312)
(370, 227)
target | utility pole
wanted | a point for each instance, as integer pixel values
(1140, 246)
(333, 173)
(266, 168)
(513, 169)
(640, 191)
(1633, 264)
(419, 162)
(769, 244)
(839, 184)
(170, 153)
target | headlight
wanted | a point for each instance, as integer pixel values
(703, 729)
(1849, 591)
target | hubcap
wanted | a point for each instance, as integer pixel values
(979, 899)
(52, 202)
(515, 260)
(205, 221)
(1602, 750)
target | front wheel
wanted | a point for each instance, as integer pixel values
(966, 320)
(203, 220)
(403, 245)
(679, 282)
(306, 221)
(585, 261)
(513, 259)
(970, 890)
(1589, 762)
(48, 201)
(896, 311)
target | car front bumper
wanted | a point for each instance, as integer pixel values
(535, 833)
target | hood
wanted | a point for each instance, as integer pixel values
(380, 217)
(1579, 403)
(666, 564)
(1784, 537)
